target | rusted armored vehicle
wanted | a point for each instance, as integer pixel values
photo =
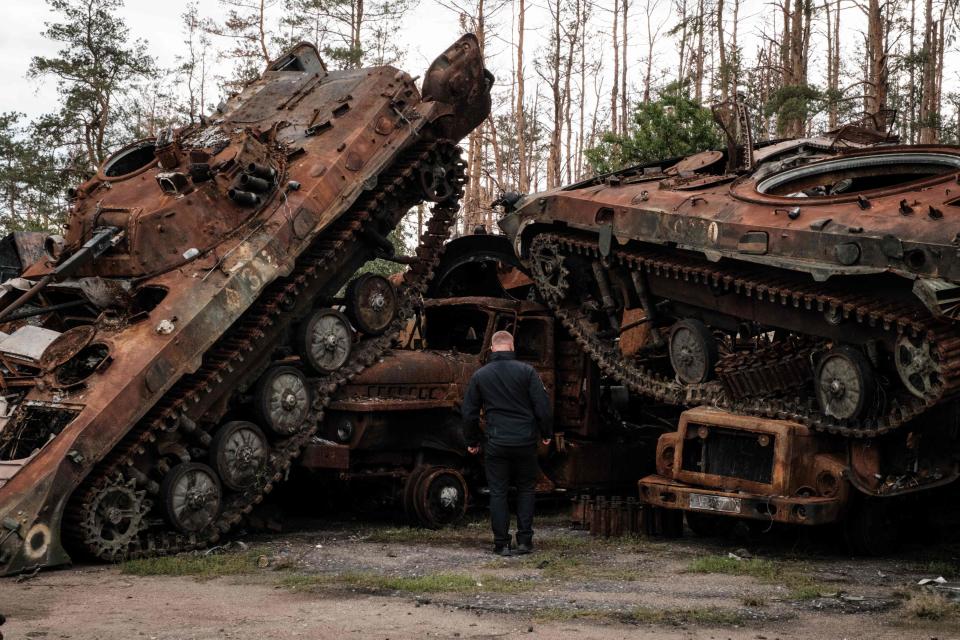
(177, 348)
(393, 434)
(812, 280)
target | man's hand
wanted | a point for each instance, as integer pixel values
(547, 441)
(473, 450)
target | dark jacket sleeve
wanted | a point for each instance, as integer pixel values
(470, 411)
(541, 405)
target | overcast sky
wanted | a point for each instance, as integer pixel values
(425, 31)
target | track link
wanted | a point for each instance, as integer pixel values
(897, 319)
(239, 345)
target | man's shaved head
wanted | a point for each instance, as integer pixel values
(502, 341)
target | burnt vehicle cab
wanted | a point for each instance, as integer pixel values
(398, 422)
(722, 464)
(720, 467)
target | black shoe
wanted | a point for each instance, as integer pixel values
(501, 550)
(524, 548)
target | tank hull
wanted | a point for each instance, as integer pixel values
(818, 287)
(211, 278)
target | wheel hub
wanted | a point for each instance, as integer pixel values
(289, 400)
(836, 388)
(377, 301)
(449, 497)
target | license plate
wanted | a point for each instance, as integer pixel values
(714, 503)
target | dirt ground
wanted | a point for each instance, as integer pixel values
(361, 580)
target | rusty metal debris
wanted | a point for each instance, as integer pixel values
(807, 287)
(392, 434)
(167, 361)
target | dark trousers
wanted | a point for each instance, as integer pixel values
(519, 465)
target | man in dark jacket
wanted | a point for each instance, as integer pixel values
(518, 413)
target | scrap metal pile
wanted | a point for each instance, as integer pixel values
(149, 397)
(814, 281)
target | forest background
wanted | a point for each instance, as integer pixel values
(583, 86)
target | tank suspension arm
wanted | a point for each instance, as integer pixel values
(609, 306)
(382, 244)
(639, 283)
(103, 239)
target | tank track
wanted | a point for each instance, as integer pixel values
(240, 343)
(942, 338)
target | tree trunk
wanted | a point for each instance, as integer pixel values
(614, 100)
(523, 178)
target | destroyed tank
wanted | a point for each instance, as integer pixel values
(177, 347)
(815, 280)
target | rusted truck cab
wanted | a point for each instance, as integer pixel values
(720, 467)
(398, 422)
(723, 464)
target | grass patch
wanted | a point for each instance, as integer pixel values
(945, 568)
(711, 616)
(197, 565)
(430, 583)
(932, 606)
(806, 592)
(762, 569)
(558, 565)
(801, 586)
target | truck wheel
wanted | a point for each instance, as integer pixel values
(371, 303)
(871, 527)
(709, 525)
(283, 400)
(238, 452)
(191, 496)
(409, 494)
(693, 351)
(325, 340)
(440, 498)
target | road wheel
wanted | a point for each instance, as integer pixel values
(846, 384)
(283, 400)
(238, 453)
(693, 351)
(371, 303)
(325, 340)
(409, 494)
(191, 496)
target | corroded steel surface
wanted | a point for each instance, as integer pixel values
(193, 256)
(799, 478)
(817, 283)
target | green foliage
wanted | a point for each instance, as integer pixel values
(95, 67)
(199, 565)
(793, 105)
(30, 179)
(673, 125)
